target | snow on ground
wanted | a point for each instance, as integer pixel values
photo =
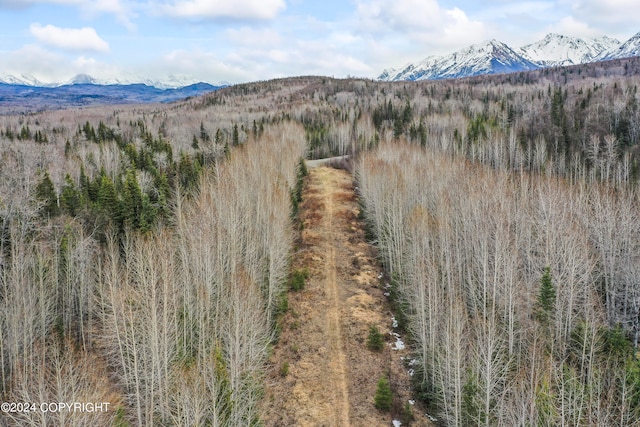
(396, 423)
(399, 344)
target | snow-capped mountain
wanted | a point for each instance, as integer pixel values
(628, 49)
(556, 50)
(21, 80)
(24, 94)
(170, 82)
(494, 57)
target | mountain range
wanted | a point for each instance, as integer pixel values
(495, 57)
(172, 81)
(27, 93)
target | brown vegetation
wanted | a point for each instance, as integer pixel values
(148, 246)
(332, 375)
(499, 276)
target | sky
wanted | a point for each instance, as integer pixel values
(249, 40)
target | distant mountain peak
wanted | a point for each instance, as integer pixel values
(22, 80)
(627, 49)
(489, 57)
(493, 57)
(559, 50)
(82, 79)
(172, 81)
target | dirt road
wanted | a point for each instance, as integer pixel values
(322, 373)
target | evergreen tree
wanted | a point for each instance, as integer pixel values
(131, 200)
(67, 149)
(545, 304)
(107, 200)
(46, 194)
(375, 340)
(70, 197)
(407, 113)
(236, 137)
(147, 214)
(384, 396)
(25, 133)
(204, 135)
(188, 171)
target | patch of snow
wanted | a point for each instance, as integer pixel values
(394, 321)
(411, 372)
(396, 423)
(413, 362)
(379, 275)
(386, 294)
(399, 344)
(431, 418)
(412, 402)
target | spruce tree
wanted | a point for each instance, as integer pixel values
(545, 304)
(131, 200)
(107, 200)
(236, 137)
(70, 197)
(384, 396)
(46, 194)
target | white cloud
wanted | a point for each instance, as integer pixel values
(121, 9)
(204, 65)
(222, 9)
(82, 63)
(74, 39)
(610, 11)
(36, 61)
(611, 16)
(406, 22)
(247, 36)
(570, 26)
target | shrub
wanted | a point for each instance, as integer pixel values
(407, 414)
(375, 341)
(297, 279)
(384, 397)
(284, 369)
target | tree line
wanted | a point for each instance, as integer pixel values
(519, 290)
(170, 325)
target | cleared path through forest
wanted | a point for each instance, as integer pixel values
(322, 373)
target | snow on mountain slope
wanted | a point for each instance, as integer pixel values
(170, 82)
(495, 57)
(492, 57)
(626, 50)
(557, 50)
(21, 80)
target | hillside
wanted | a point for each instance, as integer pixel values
(173, 260)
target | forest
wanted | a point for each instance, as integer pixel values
(145, 250)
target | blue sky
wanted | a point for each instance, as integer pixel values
(247, 40)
